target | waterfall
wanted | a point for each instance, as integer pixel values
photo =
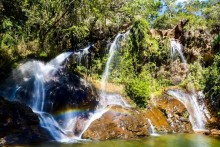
(82, 53)
(108, 99)
(152, 129)
(176, 47)
(114, 46)
(34, 79)
(198, 118)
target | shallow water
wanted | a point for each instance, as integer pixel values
(174, 140)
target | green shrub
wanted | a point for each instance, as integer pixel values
(139, 89)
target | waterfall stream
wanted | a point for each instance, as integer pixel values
(198, 118)
(176, 47)
(153, 132)
(35, 78)
(113, 99)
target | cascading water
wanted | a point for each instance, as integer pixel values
(198, 118)
(107, 99)
(35, 80)
(176, 47)
(82, 53)
(153, 132)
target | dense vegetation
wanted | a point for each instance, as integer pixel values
(42, 29)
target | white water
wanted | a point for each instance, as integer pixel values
(114, 46)
(41, 73)
(153, 132)
(106, 98)
(176, 47)
(197, 116)
(82, 53)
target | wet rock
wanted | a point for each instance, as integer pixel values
(19, 124)
(159, 120)
(117, 123)
(169, 115)
(215, 132)
(68, 92)
(214, 122)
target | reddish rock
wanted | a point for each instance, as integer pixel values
(159, 120)
(117, 123)
(169, 115)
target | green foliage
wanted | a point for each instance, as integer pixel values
(139, 60)
(80, 70)
(212, 85)
(43, 54)
(191, 10)
(42, 29)
(139, 89)
(195, 78)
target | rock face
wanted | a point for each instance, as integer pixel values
(70, 91)
(174, 33)
(179, 72)
(199, 43)
(19, 124)
(169, 115)
(120, 123)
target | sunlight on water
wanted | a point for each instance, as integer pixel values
(175, 140)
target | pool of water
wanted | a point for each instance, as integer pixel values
(174, 140)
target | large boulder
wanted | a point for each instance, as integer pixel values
(70, 91)
(169, 115)
(19, 124)
(118, 123)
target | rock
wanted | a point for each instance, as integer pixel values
(214, 122)
(215, 132)
(19, 124)
(179, 72)
(159, 120)
(118, 123)
(174, 33)
(205, 132)
(169, 115)
(199, 43)
(156, 33)
(70, 91)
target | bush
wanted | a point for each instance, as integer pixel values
(212, 84)
(139, 89)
